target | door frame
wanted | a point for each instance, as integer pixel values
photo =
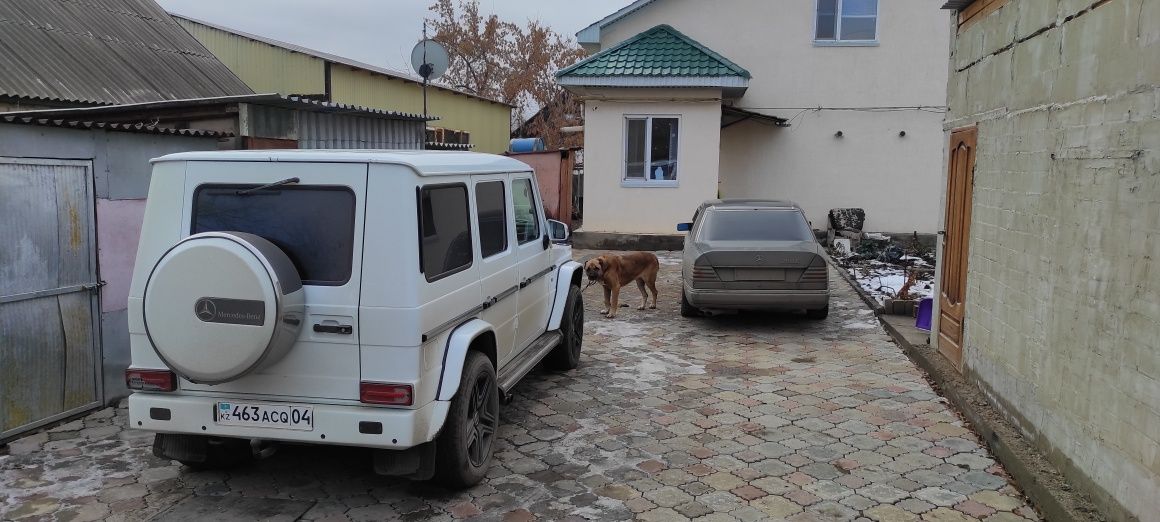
(94, 295)
(948, 348)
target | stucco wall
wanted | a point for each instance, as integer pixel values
(1063, 297)
(609, 207)
(895, 179)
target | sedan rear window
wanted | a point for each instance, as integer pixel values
(313, 225)
(755, 225)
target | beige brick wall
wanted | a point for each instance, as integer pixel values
(1063, 297)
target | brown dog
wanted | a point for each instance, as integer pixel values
(615, 271)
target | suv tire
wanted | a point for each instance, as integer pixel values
(465, 447)
(819, 314)
(566, 356)
(688, 310)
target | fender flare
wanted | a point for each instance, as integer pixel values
(568, 271)
(455, 354)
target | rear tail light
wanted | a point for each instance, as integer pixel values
(816, 273)
(704, 274)
(385, 393)
(150, 380)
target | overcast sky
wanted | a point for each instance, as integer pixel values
(378, 32)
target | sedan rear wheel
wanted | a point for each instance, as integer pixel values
(818, 314)
(688, 310)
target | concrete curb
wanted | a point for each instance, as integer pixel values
(870, 301)
(1044, 486)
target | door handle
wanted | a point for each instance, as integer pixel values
(343, 329)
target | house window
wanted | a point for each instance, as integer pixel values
(650, 157)
(846, 21)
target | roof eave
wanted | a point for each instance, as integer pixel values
(732, 82)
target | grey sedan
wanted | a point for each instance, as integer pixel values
(752, 255)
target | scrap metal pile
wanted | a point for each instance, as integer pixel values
(899, 268)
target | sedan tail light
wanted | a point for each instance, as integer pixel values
(150, 380)
(816, 273)
(702, 274)
(385, 393)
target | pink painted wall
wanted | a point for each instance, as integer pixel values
(549, 166)
(118, 229)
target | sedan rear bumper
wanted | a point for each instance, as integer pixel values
(758, 299)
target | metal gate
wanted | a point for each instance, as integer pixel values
(49, 350)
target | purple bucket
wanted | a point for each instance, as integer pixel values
(922, 318)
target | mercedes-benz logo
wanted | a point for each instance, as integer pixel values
(205, 309)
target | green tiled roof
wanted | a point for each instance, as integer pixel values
(658, 52)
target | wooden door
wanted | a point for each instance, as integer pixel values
(960, 183)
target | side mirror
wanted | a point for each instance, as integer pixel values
(684, 227)
(559, 231)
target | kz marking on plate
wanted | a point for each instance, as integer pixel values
(281, 416)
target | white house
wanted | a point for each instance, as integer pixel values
(829, 103)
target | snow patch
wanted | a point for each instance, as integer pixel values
(655, 366)
(859, 325)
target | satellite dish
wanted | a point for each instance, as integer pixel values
(429, 59)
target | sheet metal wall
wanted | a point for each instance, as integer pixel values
(342, 131)
(264, 67)
(120, 170)
(49, 352)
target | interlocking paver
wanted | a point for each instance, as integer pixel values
(751, 417)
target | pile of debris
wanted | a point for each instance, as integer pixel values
(888, 269)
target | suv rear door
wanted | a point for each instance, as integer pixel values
(498, 267)
(318, 222)
(536, 277)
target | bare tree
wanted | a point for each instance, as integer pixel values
(514, 64)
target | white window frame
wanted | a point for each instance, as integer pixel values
(646, 182)
(838, 41)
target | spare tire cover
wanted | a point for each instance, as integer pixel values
(220, 305)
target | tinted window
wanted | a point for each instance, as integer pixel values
(489, 203)
(524, 201)
(755, 225)
(445, 230)
(313, 225)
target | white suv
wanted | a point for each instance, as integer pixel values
(362, 298)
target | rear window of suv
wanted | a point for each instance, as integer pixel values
(313, 225)
(755, 225)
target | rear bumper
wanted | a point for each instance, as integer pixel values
(758, 299)
(333, 424)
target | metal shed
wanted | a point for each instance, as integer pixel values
(258, 121)
(71, 198)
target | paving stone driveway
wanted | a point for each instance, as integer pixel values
(734, 418)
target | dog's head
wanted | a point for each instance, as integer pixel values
(595, 268)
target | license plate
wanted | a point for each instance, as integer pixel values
(283, 416)
(759, 274)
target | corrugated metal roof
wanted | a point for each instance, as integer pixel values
(396, 74)
(658, 52)
(104, 52)
(118, 127)
(271, 99)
